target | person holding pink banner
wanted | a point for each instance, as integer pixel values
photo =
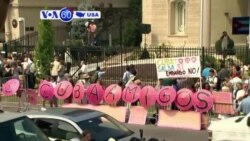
(53, 101)
(21, 94)
(244, 107)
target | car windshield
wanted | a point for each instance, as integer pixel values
(21, 129)
(104, 127)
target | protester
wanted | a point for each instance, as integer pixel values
(126, 75)
(61, 71)
(67, 77)
(212, 80)
(236, 79)
(84, 79)
(223, 74)
(31, 74)
(132, 69)
(206, 71)
(99, 74)
(53, 102)
(84, 67)
(206, 86)
(238, 94)
(244, 107)
(159, 85)
(86, 136)
(21, 94)
(55, 68)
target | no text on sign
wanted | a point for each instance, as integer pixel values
(241, 25)
(66, 14)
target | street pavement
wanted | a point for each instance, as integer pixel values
(168, 134)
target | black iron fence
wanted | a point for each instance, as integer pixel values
(117, 58)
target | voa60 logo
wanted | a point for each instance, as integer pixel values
(66, 15)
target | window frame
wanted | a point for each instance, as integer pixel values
(58, 121)
(173, 18)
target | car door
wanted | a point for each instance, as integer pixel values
(57, 129)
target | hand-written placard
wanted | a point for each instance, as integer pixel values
(184, 99)
(131, 93)
(178, 67)
(113, 94)
(166, 96)
(78, 92)
(46, 90)
(95, 93)
(203, 101)
(10, 87)
(63, 90)
(147, 96)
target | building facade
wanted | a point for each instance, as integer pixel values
(24, 15)
(192, 23)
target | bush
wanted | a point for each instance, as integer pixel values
(211, 59)
(145, 54)
(243, 55)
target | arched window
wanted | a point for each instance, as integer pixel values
(177, 17)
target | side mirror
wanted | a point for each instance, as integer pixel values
(248, 121)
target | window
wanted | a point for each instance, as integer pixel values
(104, 127)
(21, 129)
(57, 129)
(177, 17)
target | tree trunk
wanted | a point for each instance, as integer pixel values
(3, 11)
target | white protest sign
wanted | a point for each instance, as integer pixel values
(178, 67)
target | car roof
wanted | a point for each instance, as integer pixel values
(8, 116)
(74, 114)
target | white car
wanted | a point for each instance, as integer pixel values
(68, 124)
(18, 127)
(231, 129)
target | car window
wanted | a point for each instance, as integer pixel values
(104, 127)
(21, 130)
(57, 129)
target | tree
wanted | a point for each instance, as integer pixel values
(79, 30)
(131, 33)
(44, 50)
(3, 11)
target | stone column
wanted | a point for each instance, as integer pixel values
(207, 23)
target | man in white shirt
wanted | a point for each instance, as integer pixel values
(84, 67)
(212, 80)
(234, 81)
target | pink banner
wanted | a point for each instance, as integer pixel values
(78, 92)
(147, 96)
(95, 94)
(63, 90)
(138, 115)
(113, 94)
(203, 101)
(32, 96)
(10, 87)
(180, 119)
(184, 100)
(131, 93)
(223, 103)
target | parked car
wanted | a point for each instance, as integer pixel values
(231, 129)
(18, 127)
(67, 124)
